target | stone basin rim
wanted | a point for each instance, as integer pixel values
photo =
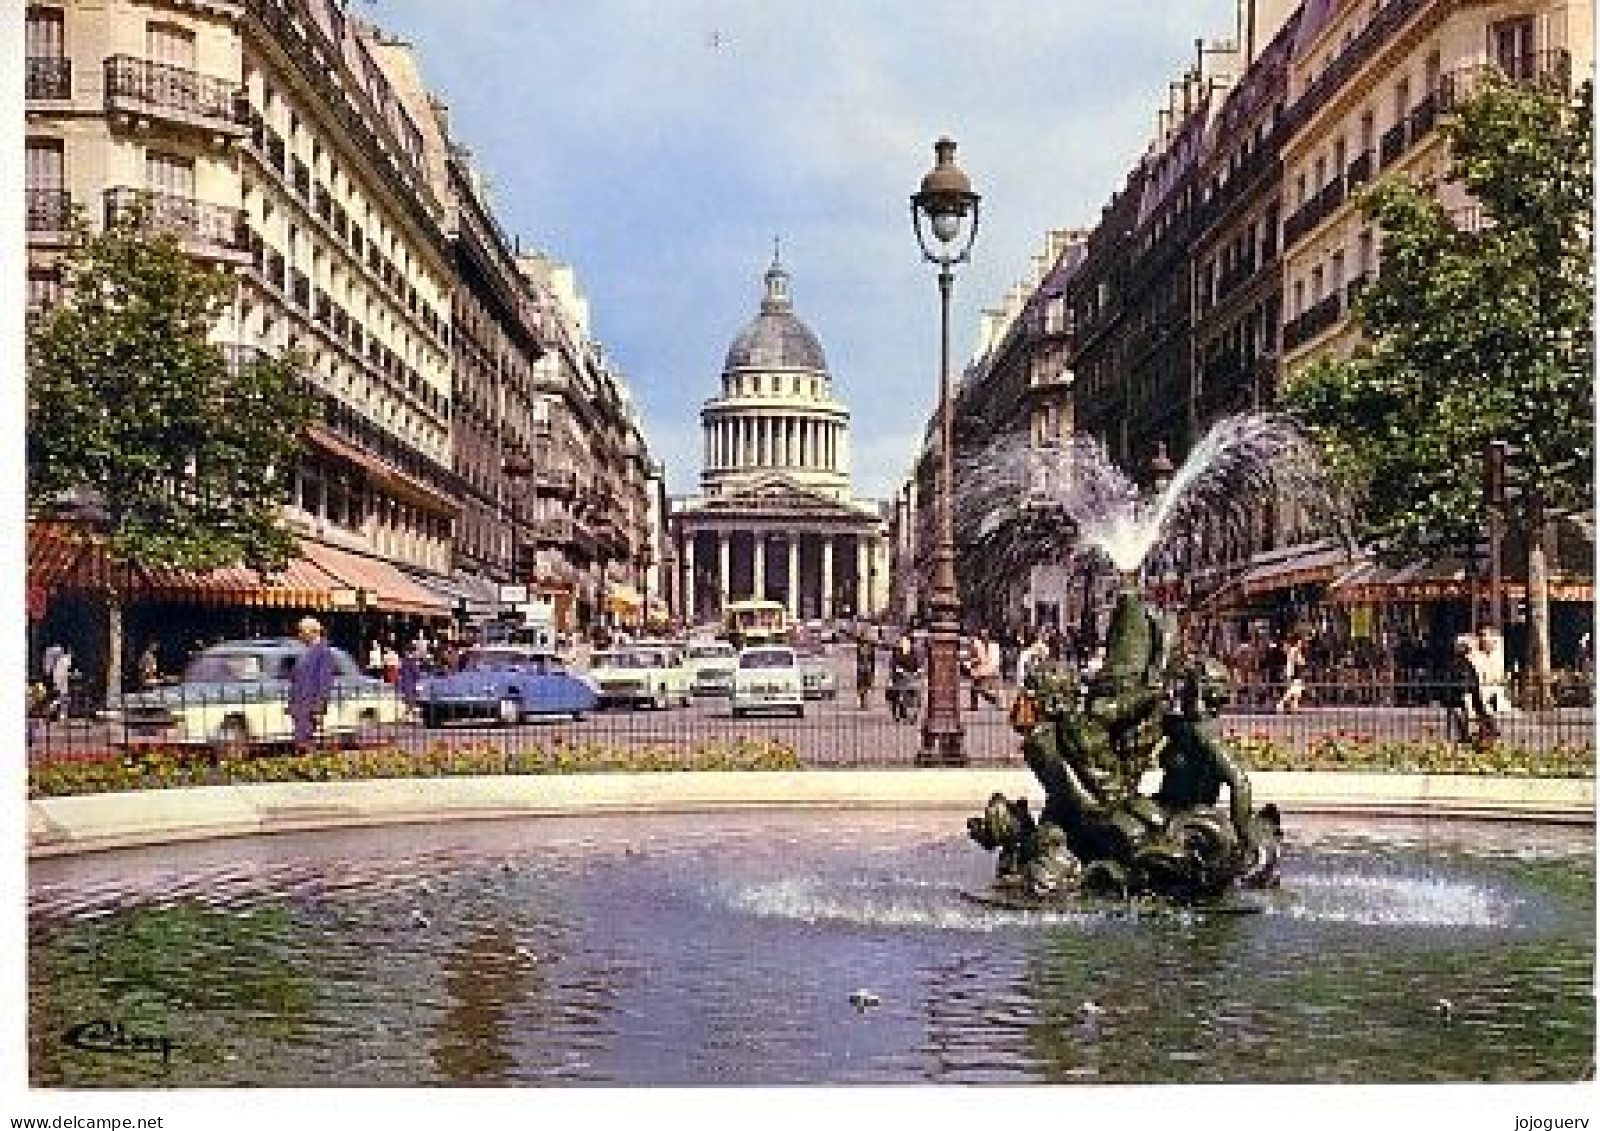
(65, 826)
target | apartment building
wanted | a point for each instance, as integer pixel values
(1369, 82)
(1229, 258)
(462, 423)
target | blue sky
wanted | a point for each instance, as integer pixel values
(658, 146)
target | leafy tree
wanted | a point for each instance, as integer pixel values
(1479, 327)
(184, 455)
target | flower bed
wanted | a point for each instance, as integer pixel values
(108, 771)
(1345, 750)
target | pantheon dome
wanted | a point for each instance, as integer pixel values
(775, 518)
(776, 413)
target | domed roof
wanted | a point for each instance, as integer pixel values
(775, 338)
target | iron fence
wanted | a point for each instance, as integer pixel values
(1408, 726)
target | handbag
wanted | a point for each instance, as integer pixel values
(1023, 714)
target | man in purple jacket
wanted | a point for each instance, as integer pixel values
(310, 682)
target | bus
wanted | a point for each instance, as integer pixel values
(756, 622)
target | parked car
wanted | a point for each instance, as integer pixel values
(816, 675)
(768, 679)
(711, 666)
(641, 677)
(235, 695)
(506, 683)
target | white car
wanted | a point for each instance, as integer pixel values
(768, 679)
(235, 695)
(641, 677)
(711, 666)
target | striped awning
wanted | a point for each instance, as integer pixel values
(386, 587)
(67, 556)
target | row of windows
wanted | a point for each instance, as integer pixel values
(777, 384)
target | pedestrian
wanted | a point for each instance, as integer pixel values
(866, 664)
(58, 675)
(905, 678)
(310, 683)
(1489, 657)
(411, 673)
(1470, 721)
(391, 663)
(375, 658)
(1292, 672)
(985, 671)
(1037, 652)
(149, 667)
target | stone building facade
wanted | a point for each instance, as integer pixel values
(775, 518)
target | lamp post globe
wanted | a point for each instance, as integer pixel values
(944, 217)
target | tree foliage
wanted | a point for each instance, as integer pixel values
(187, 454)
(1479, 327)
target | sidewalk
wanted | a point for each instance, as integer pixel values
(68, 825)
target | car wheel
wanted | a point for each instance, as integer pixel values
(233, 737)
(579, 716)
(509, 712)
(799, 712)
(738, 713)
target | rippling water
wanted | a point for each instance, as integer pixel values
(674, 950)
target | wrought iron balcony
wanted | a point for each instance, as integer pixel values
(49, 78)
(49, 213)
(176, 94)
(209, 229)
(1534, 68)
(1359, 171)
(1393, 145)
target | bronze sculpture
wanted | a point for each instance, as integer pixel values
(1090, 745)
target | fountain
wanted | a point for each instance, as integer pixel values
(1149, 707)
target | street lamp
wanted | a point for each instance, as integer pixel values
(947, 210)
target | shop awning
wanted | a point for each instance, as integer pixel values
(64, 556)
(1278, 570)
(1446, 579)
(300, 585)
(474, 595)
(388, 589)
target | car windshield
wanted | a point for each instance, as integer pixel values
(502, 660)
(225, 667)
(752, 660)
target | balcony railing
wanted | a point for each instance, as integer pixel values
(1424, 114)
(1393, 145)
(553, 531)
(161, 90)
(49, 212)
(206, 227)
(49, 78)
(1359, 171)
(1554, 67)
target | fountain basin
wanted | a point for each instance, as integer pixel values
(735, 947)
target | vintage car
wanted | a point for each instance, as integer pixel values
(507, 683)
(768, 679)
(816, 675)
(235, 695)
(641, 676)
(711, 665)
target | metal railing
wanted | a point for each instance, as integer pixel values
(49, 78)
(1374, 724)
(49, 211)
(160, 88)
(217, 227)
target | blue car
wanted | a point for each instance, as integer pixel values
(505, 683)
